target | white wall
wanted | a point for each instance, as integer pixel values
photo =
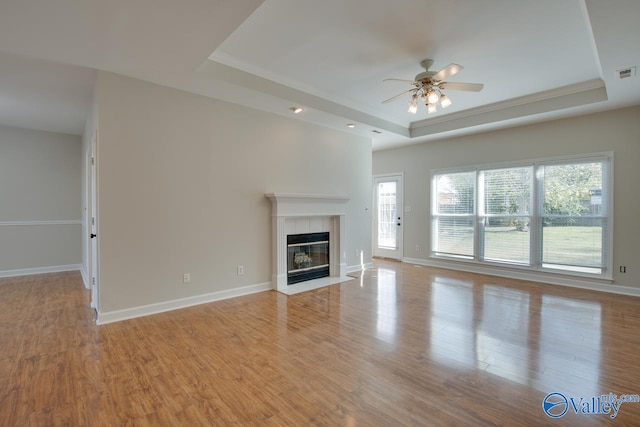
(617, 131)
(182, 181)
(39, 182)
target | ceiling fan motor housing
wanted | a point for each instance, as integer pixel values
(425, 75)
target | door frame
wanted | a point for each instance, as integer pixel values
(88, 265)
(92, 226)
(398, 253)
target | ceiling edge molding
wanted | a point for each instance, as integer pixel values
(231, 61)
(235, 76)
(575, 95)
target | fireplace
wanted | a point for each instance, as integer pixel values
(307, 257)
(299, 214)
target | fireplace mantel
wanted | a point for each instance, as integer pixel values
(294, 213)
(293, 204)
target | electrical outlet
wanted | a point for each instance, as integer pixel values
(417, 248)
(623, 269)
(240, 270)
(186, 278)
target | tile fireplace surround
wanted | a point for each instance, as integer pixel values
(307, 213)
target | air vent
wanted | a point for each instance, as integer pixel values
(625, 73)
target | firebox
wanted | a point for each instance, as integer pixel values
(307, 257)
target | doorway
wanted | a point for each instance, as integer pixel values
(388, 210)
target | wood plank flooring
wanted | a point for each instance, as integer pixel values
(402, 345)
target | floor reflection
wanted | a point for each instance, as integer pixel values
(502, 334)
(547, 342)
(569, 345)
(452, 339)
(387, 309)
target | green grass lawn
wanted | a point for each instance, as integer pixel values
(572, 245)
(561, 245)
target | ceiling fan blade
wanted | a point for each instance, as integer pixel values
(399, 80)
(469, 87)
(447, 72)
(398, 96)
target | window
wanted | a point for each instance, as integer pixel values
(506, 215)
(547, 214)
(454, 214)
(573, 221)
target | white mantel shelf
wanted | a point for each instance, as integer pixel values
(307, 213)
(295, 204)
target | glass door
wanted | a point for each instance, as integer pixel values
(388, 204)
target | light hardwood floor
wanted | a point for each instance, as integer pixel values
(402, 345)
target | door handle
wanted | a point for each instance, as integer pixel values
(92, 235)
(399, 224)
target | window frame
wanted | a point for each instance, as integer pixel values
(536, 214)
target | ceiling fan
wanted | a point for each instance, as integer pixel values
(429, 85)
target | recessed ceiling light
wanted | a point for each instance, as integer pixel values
(351, 125)
(296, 110)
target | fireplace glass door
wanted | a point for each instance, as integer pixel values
(307, 257)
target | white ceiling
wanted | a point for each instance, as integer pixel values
(537, 59)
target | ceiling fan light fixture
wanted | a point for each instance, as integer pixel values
(429, 85)
(413, 104)
(445, 101)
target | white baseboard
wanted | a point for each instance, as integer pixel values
(146, 310)
(530, 276)
(40, 270)
(85, 279)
